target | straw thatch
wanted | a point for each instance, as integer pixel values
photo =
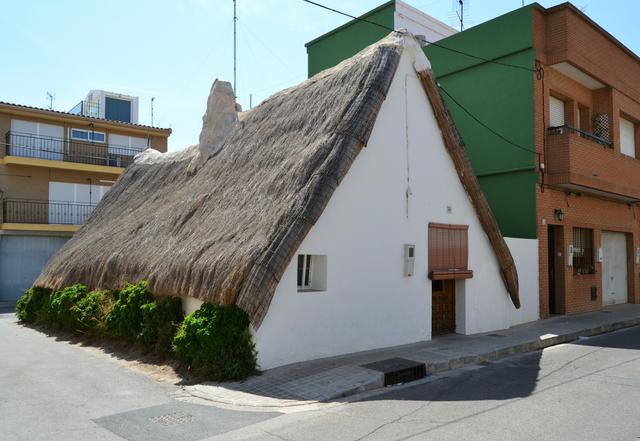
(458, 152)
(225, 230)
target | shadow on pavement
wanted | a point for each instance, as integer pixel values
(155, 364)
(510, 378)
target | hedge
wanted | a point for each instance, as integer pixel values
(214, 341)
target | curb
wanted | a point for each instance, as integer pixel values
(541, 342)
(530, 346)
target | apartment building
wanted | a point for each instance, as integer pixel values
(54, 168)
(548, 104)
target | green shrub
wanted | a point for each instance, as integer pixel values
(125, 318)
(216, 342)
(32, 307)
(90, 312)
(160, 321)
(60, 308)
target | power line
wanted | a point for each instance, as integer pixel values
(486, 60)
(464, 109)
(476, 119)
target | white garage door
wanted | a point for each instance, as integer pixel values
(614, 268)
(22, 258)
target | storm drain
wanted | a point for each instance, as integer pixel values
(398, 370)
(172, 419)
(497, 335)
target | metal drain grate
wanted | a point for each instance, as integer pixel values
(398, 370)
(172, 419)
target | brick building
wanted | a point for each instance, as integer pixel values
(560, 162)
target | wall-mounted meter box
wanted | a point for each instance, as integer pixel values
(570, 255)
(600, 255)
(409, 259)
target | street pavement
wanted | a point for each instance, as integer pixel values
(53, 390)
(587, 390)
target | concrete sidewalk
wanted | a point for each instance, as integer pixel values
(330, 379)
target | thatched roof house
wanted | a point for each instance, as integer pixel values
(224, 220)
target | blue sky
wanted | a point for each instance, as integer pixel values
(174, 50)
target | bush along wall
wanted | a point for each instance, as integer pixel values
(214, 341)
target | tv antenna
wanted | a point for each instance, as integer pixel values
(461, 7)
(152, 99)
(235, 20)
(51, 97)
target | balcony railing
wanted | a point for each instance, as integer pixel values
(29, 211)
(86, 108)
(60, 149)
(561, 130)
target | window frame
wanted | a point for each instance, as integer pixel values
(634, 128)
(90, 135)
(306, 275)
(311, 272)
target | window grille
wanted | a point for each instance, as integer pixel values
(583, 251)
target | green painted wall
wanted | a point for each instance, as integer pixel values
(502, 98)
(499, 96)
(347, 40)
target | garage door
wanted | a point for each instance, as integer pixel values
(614, 268)
(22, 258)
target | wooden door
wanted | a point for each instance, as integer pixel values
(443, 307)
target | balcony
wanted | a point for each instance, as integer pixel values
(582, 162)
(59, 149)
(29, 211)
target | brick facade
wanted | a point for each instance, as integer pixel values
(594, 185)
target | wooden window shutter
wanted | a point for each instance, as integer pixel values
(448, 252)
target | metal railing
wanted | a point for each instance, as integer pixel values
(86, 108)
(60, 149)
(29, 211)
(560, 130)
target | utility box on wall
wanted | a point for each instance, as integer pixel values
(409, 259)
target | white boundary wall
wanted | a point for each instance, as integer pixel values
(368, 303)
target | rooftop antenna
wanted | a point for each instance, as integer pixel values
(461, 5)
(235, 20)
(152, 98)
(51, 97)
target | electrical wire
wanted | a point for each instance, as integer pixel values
(486, 60)
(463, 108)
(476, 119)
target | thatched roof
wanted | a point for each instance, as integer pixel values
(223, 228)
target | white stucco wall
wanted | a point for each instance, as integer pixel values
(368, 303)
(419, 23)
(190, 304)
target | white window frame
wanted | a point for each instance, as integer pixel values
(553, 101)
(307, 272)
(627, 149)
(89, 133)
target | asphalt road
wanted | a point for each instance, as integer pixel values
(53, 390)
(584, 391)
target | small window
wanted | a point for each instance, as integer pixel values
(312, 272)
(627, 137)
(556, 112)
(583, 251)
(87, 135)
(79, 134)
